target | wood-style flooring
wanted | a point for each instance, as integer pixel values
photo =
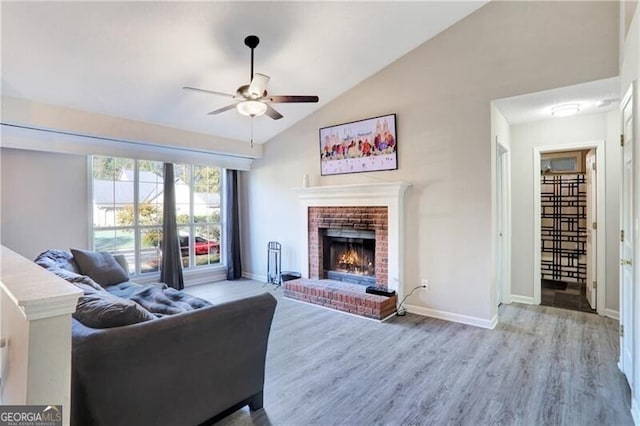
(540, 366)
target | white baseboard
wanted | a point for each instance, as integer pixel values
(255, 277)
(191, 277)
(204, 276)
(612, 314)
(494, 322)
(523, 299)
(450, 316)
(635, 414)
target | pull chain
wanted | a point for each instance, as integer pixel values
(251, 132)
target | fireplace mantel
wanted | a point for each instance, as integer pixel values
(387, 194)
(388, 191)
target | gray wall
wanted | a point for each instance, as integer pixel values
(44, 201)
(441, 92)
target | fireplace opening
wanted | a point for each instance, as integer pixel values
(349, 256)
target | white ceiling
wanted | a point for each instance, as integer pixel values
(593, 97)
(130, 59)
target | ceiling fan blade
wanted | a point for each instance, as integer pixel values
(258, 84)
(209, 91)
(273, 113)
(223, 109)
(281, 99)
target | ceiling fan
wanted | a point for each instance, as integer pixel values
(253, 99)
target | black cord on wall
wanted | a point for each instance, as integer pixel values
(401, 311)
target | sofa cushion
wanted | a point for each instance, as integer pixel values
(165, 300)
(57, 259)
(102, 267)
(103, 310)
(62, 264)
(122, 261)
(125, 289)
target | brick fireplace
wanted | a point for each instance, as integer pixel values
(359, 228)
(376, 207)
(351, 222)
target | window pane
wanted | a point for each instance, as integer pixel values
(206, 179)
(111, 168)
(126, 245)
(183, 232)
(150, 249)
(207, 245)
(206, 197)
(150, 192)
(104, 240)
(149, 214)
(183, 193)
(120, 241)
(112, 191)
(123, 205)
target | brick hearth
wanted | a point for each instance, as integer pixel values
(341, 296)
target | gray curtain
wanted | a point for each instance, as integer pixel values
(171, 267)
(232, 226)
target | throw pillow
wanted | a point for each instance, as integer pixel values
(103, 310)
(100, 266)
(122, 261)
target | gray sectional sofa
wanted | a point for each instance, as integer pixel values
(152, 355)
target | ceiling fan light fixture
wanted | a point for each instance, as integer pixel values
(251, 108)
(565, 110)
(258, 85)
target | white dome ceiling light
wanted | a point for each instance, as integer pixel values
(251, 108)
(565, 110)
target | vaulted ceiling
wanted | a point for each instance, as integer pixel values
(131, 59)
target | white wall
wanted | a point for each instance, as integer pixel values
(630, 46)
(44, 201)
(441, 92)
(560, 131)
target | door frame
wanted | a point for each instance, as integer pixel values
(629, 320)
(592, 204)
(503, 215)
(599, 146)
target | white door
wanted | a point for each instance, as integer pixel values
(626, 243)
(592, 235)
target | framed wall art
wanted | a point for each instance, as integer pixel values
(360, 146)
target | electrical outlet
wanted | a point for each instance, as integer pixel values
(425, 284)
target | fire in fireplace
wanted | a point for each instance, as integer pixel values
(349, 255)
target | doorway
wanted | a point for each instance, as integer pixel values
(568, 262)
(567, 242)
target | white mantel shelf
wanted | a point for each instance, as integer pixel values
(387, 194)
(365, 190)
